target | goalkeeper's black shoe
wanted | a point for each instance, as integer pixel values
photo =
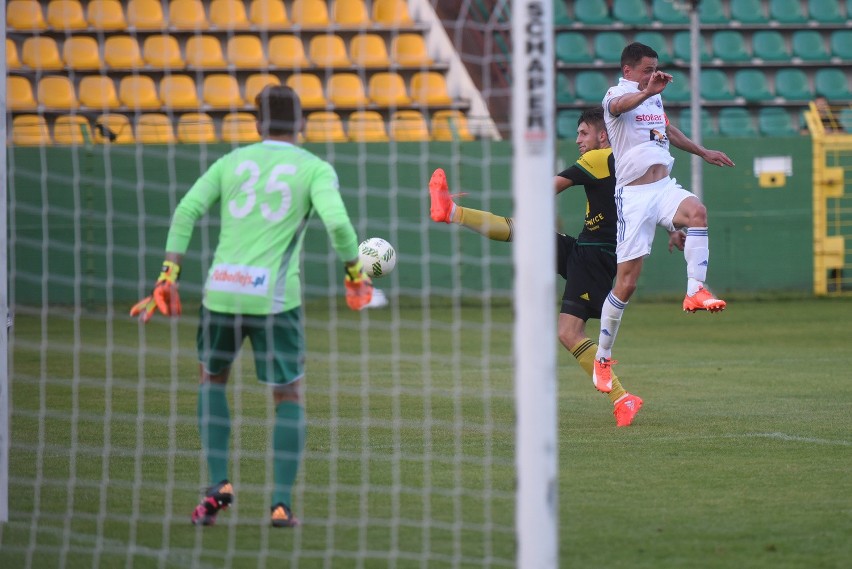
(282, 517)
(217, 498)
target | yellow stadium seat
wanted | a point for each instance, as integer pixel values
(179, 92)
(367, 126)
(30, 130)
(429, 88)
(196, 128)
(187, 15)
(350, 13)
(122, 52)
(138, 92)
(246, 52)
(450, 125)
(113, 129)
(388, 90)
(57, 92)
(162, 51)
(25, 15)
(287, 52)
(309, 89)
(12, 59)
(228, 15)
(309, 13)
(256, 82)
(324, 126)
(204, 52)
(222, 91)
(66, 15)
(410, 50)
(154, 128)
(346, 90)
(407, 126)
(145, 15)
(369, 50)
(239, 127)
(19, 94)
(391, 13)
(82, 53)
(98, 92)
(107, 15)
(41, 52)
(268, 14)
(72, 129)
(328, 50)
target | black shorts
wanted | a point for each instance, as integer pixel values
(588, 271)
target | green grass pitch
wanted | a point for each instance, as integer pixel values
(740, 457)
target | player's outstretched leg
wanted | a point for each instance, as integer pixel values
(217, 498)
(441, 209)
(282, 517)
(626, 408)
(696, 251)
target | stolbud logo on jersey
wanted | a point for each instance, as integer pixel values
(650, 118)
(239, 279)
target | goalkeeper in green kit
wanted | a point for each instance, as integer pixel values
(266, 193)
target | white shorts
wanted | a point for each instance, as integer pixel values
(640, 209)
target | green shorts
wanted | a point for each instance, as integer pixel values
(278, 342)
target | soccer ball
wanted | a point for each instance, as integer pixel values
(378, 256)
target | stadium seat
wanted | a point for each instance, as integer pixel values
(631, 12)
(222, 91)
(113, 129)
(154, 128)
(592, 12)
(845, 120)
(288, 52)
(787, 11)
(736, 121)
(729, 46)
(30, 130)
(81, 53)
(25, 15)
(369, 51)
(268, 14)
(608, 46)
(808, 45)
(72, 130)
(122, 52)
(66, 15)
(309, 13)
(564, 90)
(328, 50)
(196, 128)
(748, 12)
(187, 15)
(793, 85)
(712, 12)
(227, 15)
(309, 88)
(204, 52)
(450, 125)
(352, 13)
(255, 83)
(57, 92)
(162, 51)
(13, 62)
(775, 121)
(681, 43)
(409, 49)
(324, 126)
(430, 88)
(715, 86)
(678, 90)
(179, 92)
(246, 52)
(666, 12)
(826, 11)
(346, 90)
(657, 42)
(752, 85)
(560, 13)
(19, 94)
(138, 92)
(832, 84)
(391, 13)
(106, 15)
(408, 126)
(388, 90)
(239, 127)
(572, 47)
(367, 126)
(145, 15)
(98, 92)
(591, 86)
(566, 124)
(684, 123)
(41, 52)
(841, 44)
(769, 45)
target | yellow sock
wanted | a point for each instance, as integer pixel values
(585, 351)
(485, 223)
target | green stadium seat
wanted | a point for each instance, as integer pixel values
(665, 12)
(808, 45)
(591, 86)
(793, 85)
(707, 126)
(787, 11)
(609, 45)
(564, 93)
(748, 12)
(592, 12)
(566, 124)
(729, 46)
(775, 121)
(831, 83)
(573, 47)
(631, 12)
(714, 85)
(560, 13)
(657, 41)
(846, 120)
(752, 85)
(769, 45)
(841, 44)
(712, 12)
(681, 45)
(826, 11)
(736, 121)
(678, 90)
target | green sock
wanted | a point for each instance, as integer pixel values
(214, 426)
(288, 440)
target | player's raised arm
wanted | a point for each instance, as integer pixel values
(679, 140)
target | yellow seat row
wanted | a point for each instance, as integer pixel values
(368, 126)
(244, 51)
(109, 15)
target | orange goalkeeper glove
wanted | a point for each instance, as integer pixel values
(359, 287)
(164, 297)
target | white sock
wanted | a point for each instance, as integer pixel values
(696, 251)
(611, 313)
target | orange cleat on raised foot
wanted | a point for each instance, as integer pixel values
(626, 409)
(602, 374)
(442, 202)
(703, 299)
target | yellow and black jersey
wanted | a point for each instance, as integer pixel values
(595, 170)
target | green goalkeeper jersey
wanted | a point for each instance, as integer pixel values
(266, 191)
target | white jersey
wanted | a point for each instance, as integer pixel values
(638, 137)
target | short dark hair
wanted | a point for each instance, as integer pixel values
(593, 116)
(279, 111)
(633, 53)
